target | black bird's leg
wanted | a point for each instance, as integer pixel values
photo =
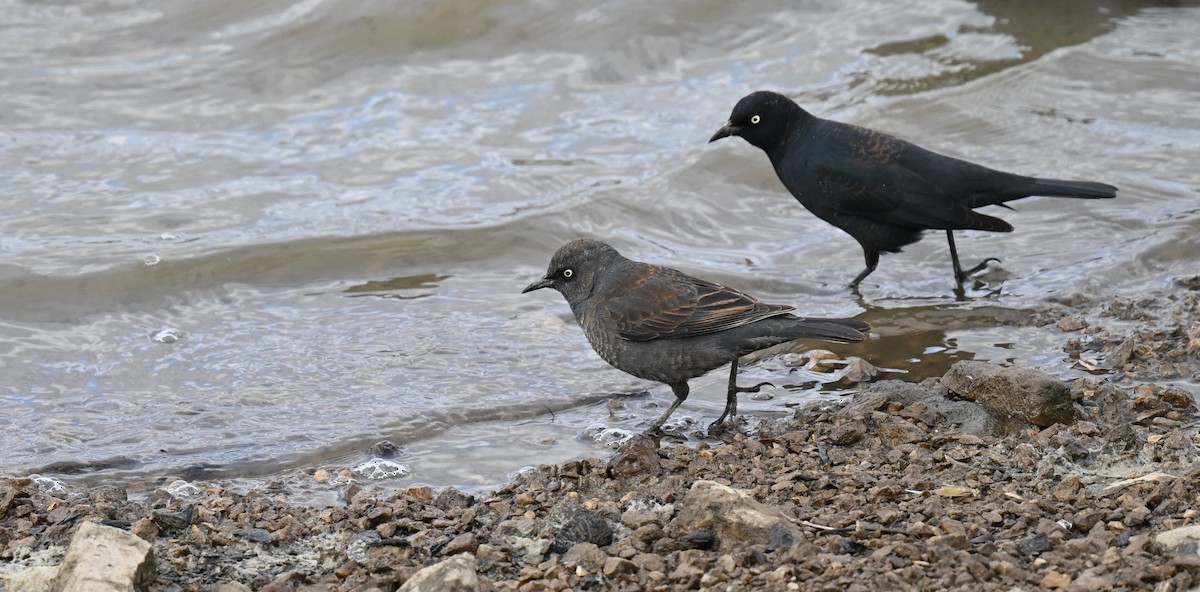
(872, 257)
(681, 394)
(959, 275)
(731, 396)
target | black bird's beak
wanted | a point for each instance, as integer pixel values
(538, 285)
(726, 130)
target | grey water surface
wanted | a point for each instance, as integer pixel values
(250, 240)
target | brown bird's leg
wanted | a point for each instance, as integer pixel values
(959, 275)
(731, 397)
(872, 257)
(681, 394)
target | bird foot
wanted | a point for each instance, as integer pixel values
(730, 412)
(751, 389)
(978, 268)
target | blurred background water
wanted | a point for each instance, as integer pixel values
(249, 239)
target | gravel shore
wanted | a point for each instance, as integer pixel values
(988, 478)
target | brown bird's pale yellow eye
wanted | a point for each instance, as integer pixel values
(754, 120)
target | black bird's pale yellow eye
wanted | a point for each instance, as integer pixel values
(754, 120)
(567, 273)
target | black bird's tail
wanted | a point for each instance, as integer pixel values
(1077, 189)
(1016, 187)
(839, 330)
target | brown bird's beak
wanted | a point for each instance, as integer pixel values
(538, 285)
(726, 130)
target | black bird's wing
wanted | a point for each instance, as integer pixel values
(662, 303)
(872, 175)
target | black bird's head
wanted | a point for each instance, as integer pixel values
(761, 118)
(574, 267)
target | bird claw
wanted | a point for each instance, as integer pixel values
(980, 267)
(752, 389)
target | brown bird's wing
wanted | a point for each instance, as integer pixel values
(662, 303)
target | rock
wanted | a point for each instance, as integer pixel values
(456, 574)
(1054, 579)
(463, 543)
(735, 518)
(585, 555)
(821, 360)
(897, 430)
(284, 582)
(615, 566)
(385, 449)
(109, 493)
(145, 529)
(1067, 489)
(584, 527)
(1180, 541)
(1032, 395)
(451, 498)
(1121, 354)
(27, 579)
(847, 433)
(257, 535)
(1071, 324)
(1176, 397)
(636, 458)
(105, 558)
(880, 395)
(860, 370)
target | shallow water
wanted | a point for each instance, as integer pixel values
(248, 240)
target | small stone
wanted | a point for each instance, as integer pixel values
(1137, 516)
(1067, 489)
(1036, 396)
(1071, 323)
(636, 458)
(897, 430)
(615, 566)
(860, 370)
(145, 529)
(419, 492)
(1121, 354)
(105, 558)
(456, 574)
(585, 555)
(384, 449)
(1053, 579)
(321, 476)
(649, 562)
(489, 553)
(1180, 541)
(847, 433)
(257, 535)
(1176, 397)
(735, 518)
(463, 543)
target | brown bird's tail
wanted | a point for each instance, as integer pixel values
(839, 330)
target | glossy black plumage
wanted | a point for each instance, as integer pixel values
(661, 324)
(882, 190)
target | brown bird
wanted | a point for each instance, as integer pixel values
(879, 189)
(661, 324)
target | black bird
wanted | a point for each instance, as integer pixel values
(882, 190)
(660, 324)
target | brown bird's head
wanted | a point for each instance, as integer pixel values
(573, 269)
(762, 118)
